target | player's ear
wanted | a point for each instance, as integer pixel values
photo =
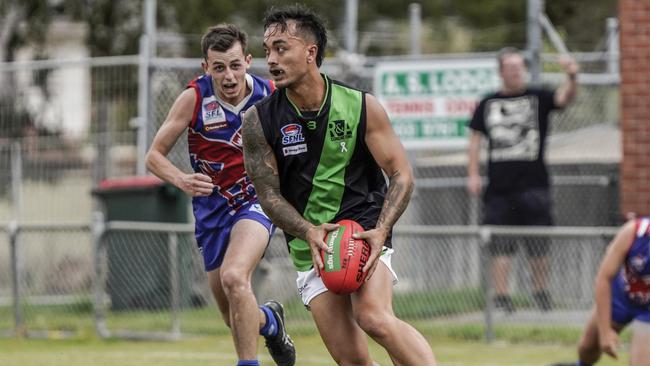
(204, 66)
(249, 60)
(312, 51)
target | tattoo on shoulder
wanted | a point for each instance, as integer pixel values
(258, 156)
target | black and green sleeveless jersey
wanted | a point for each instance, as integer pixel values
(326, 170)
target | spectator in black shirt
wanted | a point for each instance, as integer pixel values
(514, 121)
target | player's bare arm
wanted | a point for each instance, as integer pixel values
(565, 93)
(389, 154)
(262, 168)
(609, 267)
(177, 121)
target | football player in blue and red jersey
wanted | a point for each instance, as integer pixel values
(622, 298)
(232, 231)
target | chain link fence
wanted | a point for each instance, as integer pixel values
(145, 280)
(46, 279)
(150, 283)
(583, 149)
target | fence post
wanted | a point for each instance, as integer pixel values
(611, 110)
(16, 179)
(17, 265)
(534, 39)
(415, 23)
(98, 230)
(350, 25)
(175, 287)
(488, 290)
(19, 321)
(613, 52)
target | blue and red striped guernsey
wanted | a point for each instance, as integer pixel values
(215, 147)
(636, 270)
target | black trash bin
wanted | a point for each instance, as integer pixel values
(139, 267)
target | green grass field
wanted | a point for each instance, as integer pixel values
(78, 316)
(218, 350)
(454, 343)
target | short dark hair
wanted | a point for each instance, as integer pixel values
(506, 51)
(221, 38)
(306, 20)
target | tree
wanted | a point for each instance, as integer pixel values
(114, 26)
(13, 116)
(584, 29)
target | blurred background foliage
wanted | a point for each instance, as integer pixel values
(448, 25)
(114, 27)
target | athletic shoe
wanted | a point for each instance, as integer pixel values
(504, 302)
(280, 346)
(543, 300)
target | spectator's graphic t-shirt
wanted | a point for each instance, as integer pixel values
(516, 128)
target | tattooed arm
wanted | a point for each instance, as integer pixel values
(262, 168)
(387, 150)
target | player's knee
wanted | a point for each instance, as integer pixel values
(375, 323)
(234, 281)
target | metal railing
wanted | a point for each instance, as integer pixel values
(443, 270)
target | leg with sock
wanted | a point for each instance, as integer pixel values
(270, 328)
(248, 363)
(277, 340)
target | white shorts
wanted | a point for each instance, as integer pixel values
(641, 327)
(310, 285)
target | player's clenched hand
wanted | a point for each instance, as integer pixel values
(315, 237)
(196, 184)
(376, 239)
(609, 342)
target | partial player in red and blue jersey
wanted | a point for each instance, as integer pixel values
(231, 229)
(215, 146)
(622, 298)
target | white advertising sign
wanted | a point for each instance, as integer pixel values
(430, 102)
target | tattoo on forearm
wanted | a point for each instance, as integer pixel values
(283, 214)
(397, 198)
(262, 168)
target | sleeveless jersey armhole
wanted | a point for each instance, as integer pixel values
(266, 126)
(363, 125)
(640, 230)
(197, 103)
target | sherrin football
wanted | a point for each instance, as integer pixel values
(342, 273)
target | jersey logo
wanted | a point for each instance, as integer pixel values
(637, 263)
(294, 150)
(292, 134)
(214, 117)
(339, 130)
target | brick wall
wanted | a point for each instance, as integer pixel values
(634, 20)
